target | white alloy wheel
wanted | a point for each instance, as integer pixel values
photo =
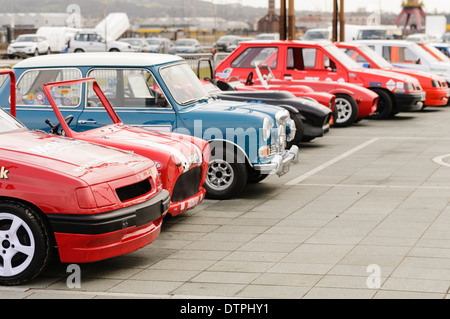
(17, 246)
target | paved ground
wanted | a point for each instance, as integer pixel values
(364, 214)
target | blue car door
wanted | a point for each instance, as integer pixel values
(135, 96)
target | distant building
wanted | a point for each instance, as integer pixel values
(270, 23)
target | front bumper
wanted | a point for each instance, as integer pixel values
(280, 164)
(437, 97)
(88, 238)
(182, 206)
(406, 102)
(21, 50)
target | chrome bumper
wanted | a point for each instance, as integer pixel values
(279, 164)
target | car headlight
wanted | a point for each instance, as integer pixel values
(281, 116)
(291, 130)
(266, 129)
(282, 135)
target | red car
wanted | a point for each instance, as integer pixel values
(182, 160)
(92, 202)
(434, 85)
(352, 102)
(322, 61)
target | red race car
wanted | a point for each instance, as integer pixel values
(322, 61)
(181, 160)
(434, 85)
(92, 202)
(352, 102)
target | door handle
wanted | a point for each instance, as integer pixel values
(87, 122)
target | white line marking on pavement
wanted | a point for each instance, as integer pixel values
(319, 168)
(440, 160)
(375, 186)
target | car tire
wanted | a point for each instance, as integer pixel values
(255, 176)
(224, 178)
(36, 52)
(25, 243)
(114, 50)
(300, 130)
(48, 51)
(78, 51)
(347, 110)
(385, 105)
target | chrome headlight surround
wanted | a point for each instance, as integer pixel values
(266, 129)
(282, 117)
(292, 130)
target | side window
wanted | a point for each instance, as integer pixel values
(251, 56)
(309, 58)
(294, 59)
(134, 88)
(29, 90)
(399, 54)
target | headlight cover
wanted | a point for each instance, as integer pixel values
(266, 129)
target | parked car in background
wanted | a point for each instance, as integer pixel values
(409, 55)
(28, 45)
(92, 41)
(162, 92)
(137, 44)
(224, 41)
(161, 45)
(437, 91)
(316, 34)
(268, 36)
(445, 37)
(236, 43)
(69, 194)
(187, 46)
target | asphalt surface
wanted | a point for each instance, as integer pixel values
(364, 214)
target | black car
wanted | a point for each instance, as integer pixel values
(312, 119)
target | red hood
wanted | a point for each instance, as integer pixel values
(89, 162)
(185, 149)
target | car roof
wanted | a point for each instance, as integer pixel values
(98, 59)
(393, 42)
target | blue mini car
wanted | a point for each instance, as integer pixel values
(159, 92)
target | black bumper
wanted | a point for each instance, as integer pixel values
(406, 102)
(136, 215)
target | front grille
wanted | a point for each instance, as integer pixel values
(134, 190)
(187, 184)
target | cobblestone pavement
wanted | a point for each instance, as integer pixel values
(364, 214)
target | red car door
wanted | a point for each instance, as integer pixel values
(312, 63)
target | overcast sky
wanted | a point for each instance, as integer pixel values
(440, 6)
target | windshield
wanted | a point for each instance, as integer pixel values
(424, 54)
(340, 56)
(375, 57)
(437, 52)
(184, 43)
(316, 35)
(26, 39)
(183, 84)
(153, 41)
(8, 123)
(371, 34)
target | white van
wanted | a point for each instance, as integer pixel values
(409, 55)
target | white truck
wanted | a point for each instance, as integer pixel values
(58, 37)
